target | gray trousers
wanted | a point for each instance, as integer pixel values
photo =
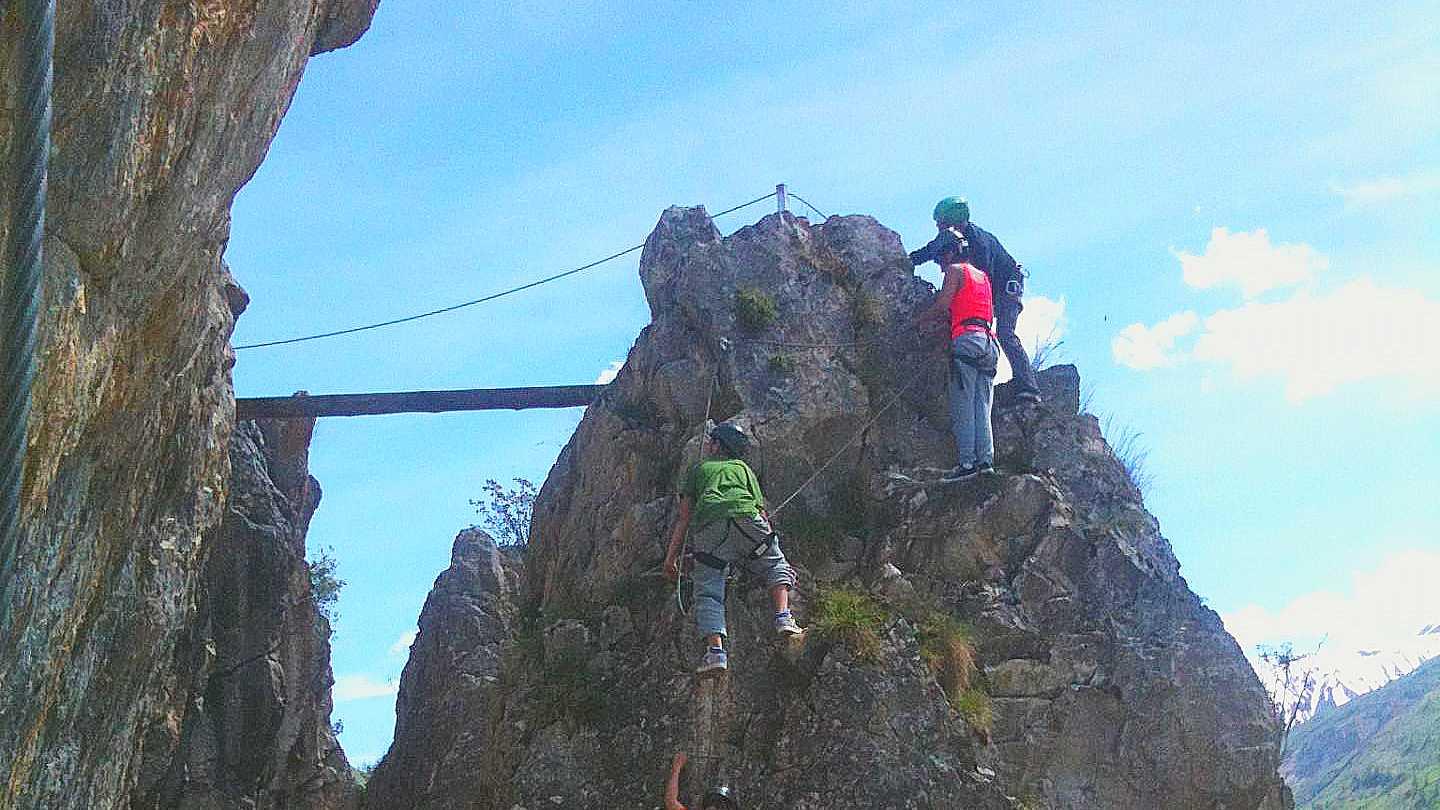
(733, 541)
(1007, 312)
(971, 390)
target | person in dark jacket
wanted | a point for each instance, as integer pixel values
(980, 248)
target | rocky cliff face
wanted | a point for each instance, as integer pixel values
(1097, 679)
(453, 677)
(255, 731)
(162, 111)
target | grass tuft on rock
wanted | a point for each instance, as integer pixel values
(754, 309)
(973, 705)
(853, 617)
(948, 648)
(570, 690)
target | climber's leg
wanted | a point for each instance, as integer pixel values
(983, 399)
(769, 564)
(1007, 313)
(709, 589)
(963, 381)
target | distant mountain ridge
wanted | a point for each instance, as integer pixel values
(1378, 750)
(1344, 675)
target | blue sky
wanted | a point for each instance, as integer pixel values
(1285, 382)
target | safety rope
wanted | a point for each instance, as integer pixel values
(685, 542)
(838, 453)
(20, 307)
(408, 318)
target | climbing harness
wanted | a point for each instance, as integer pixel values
(711, 561)
(20, 306)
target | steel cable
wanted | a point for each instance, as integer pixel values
(20, 303)
(352, 330)
(807, 204)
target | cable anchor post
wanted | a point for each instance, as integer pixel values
(780, 201)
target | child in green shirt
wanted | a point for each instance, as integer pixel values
(722, 497)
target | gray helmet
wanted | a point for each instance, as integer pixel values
(732, 438)
(720, 797)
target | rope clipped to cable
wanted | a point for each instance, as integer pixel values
(20, 305)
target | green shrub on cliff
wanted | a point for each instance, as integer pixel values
(754, 309)
(851, 616)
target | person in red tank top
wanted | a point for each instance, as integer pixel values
(965, 297)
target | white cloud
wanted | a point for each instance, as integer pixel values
(1041, 322)
(402, 644)
(1249, 261)
(1313, 342)
(362, 687)
(1384, 608)
(1317, 343)
(1389, 189)
(607, 374)
(1141, 347)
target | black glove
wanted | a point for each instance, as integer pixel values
(943, 243)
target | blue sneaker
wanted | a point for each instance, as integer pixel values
(715, 660)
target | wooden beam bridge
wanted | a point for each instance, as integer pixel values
(471, 399)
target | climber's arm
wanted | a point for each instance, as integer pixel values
(677, 537)
(940, 310)
(672, 787)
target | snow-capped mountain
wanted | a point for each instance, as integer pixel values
(1343, 674)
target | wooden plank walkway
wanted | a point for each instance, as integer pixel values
(472, 399)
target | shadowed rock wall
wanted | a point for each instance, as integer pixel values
(163, 109)
(255, 731)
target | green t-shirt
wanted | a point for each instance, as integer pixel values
(723, 488)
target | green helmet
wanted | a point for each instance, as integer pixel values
(952, 211)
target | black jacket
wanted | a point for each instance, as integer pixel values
(980, 248)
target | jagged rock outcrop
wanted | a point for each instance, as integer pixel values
(256, 730)
(162, 111)
(1111, 685)
(452, 677)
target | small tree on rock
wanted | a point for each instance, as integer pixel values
(324, 584)
(1292, 678)
(505, 511)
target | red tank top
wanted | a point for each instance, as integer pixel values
(972, 302)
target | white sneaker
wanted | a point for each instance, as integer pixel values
(785, 625)
(714, 661)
